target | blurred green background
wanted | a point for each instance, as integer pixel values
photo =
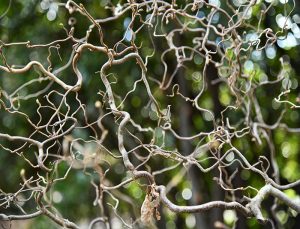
(43, 21)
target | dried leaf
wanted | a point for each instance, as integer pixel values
(147, 210)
